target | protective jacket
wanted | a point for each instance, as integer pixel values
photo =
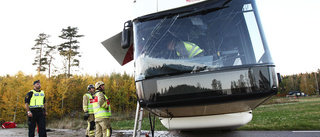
(36, 100)
(87, 103)
(189, 50)
(101, 106)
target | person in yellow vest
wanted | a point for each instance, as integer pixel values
(88, 110)
(35, 106)
(102, 111)
(184, 49)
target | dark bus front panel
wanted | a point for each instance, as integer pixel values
(208, 88)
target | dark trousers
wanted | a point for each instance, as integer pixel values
(38, 117)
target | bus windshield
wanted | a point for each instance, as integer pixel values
(218, 35)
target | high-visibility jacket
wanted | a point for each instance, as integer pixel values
(103, 111)
(37, 99)
(87, 106)
(191, 48)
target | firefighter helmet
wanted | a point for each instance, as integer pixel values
(90, 86)
(98, 84)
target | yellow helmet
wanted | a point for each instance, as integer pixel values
(98, 84)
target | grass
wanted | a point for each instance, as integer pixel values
(129, 124)
(67, 123)
(300, 114)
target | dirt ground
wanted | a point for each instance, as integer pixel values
(23, 132)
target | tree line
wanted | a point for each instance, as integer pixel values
(64, 95)
(304, 82)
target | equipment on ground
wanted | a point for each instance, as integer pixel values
(9, 125)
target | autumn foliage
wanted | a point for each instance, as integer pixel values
(63, 95)
(304, 82)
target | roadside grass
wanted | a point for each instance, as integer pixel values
(67, 123)
(293, 114)
(129, 125)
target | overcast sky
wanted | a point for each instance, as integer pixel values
(291, 26)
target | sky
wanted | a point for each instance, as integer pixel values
(291, 28)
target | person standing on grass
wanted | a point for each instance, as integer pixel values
(102, 111)
(88, 110)
(35, 106)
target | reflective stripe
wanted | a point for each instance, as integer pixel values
(108, 132)
(37, 106)
(103, 111)
(96, 107)
(195, 53)
(91, 133)
(192, 49)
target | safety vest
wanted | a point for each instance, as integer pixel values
(36, 100)
(101, 111)
(89, 107)
(192, 49)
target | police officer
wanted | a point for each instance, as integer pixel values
(35, 106)
(88, 110)
(102, 111)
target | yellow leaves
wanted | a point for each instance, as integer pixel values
(63, 96)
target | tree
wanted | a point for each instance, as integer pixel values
(308, 84)
(41, 43)
(49, 56)
(69, 49)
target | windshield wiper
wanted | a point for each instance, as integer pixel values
(170, 69)
(199, 69)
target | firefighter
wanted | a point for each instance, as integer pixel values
(88, 110)
(102, 111)
(35, 106)
(184, 49)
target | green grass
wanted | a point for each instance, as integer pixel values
(275, 114)
(302, 114)
(129, 124)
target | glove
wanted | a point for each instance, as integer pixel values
(86, 116)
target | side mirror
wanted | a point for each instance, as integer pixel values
(126, 35)
(279, 78)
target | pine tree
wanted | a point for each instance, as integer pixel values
(41, 43)
(69, 49)
(50, 57)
